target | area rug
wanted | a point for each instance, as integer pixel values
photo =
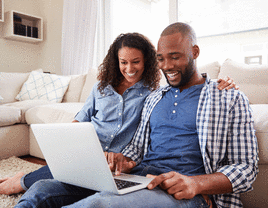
(9, 167)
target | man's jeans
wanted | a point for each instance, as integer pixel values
(52, 193)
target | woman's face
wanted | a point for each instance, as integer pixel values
(131, 64)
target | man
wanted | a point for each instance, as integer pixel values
(196, 141)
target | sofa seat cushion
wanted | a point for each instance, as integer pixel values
(25, 105)
(9, 115)
(53, 113)
(260, 116)
(251, 79)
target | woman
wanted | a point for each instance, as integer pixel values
(127, 75)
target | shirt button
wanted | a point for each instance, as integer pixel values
(176, 96)
(176, 90)
(119, 126)
(120, 114)
(175, 104)
(121, 101)
(141, 94)
(106, 147)
(173, 111)
(112, 136)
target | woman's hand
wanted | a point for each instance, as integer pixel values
(226, 83)
(119, 163)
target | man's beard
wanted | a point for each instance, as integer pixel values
(186, 76)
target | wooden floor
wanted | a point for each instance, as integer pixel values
(32, 159)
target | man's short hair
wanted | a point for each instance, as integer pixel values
(183, 28)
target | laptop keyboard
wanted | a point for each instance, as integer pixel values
(121, 184)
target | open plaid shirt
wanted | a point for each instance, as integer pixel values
(226, 137)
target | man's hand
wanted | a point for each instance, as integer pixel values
(180, 186)
(226, 83)
(186, 187)
(119, 163)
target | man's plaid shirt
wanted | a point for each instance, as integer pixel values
(226, 137)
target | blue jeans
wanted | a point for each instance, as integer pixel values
(28, 180)
(52, 193)
(44, 173)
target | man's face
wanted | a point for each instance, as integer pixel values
(175, 59)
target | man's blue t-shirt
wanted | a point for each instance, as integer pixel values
(174, 144)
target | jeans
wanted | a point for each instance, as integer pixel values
(28, 180)
(52, 193)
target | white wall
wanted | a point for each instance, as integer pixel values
(16, 56)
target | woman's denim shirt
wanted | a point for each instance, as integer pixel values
(114, 117)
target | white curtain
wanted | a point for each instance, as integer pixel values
(78, 35)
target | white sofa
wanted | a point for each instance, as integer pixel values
(16, 137)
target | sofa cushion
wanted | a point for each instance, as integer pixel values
(75, 87)
(252, 80)
(26, 105)
(90, 81)
(260, 116)
(53, 113)
(43, 86)
(9, 115)
(212, 69)
(10, 85)
(14, 141)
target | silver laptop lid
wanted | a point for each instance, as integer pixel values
(71, 150)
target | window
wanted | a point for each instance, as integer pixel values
(253, 60)
(148, 17)
(233, 29)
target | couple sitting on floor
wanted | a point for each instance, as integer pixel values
(195, 139)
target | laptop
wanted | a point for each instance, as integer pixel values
(74, 155)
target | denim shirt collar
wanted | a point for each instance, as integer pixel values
(110, 90)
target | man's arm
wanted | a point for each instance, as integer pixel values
(238, 159)
(186, 187)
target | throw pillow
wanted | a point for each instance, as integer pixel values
(252, 79)
(212, 69)
(11, 83)
(75, 88)
(43, 86)
(89, 83)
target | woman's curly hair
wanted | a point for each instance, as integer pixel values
(109, 72)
